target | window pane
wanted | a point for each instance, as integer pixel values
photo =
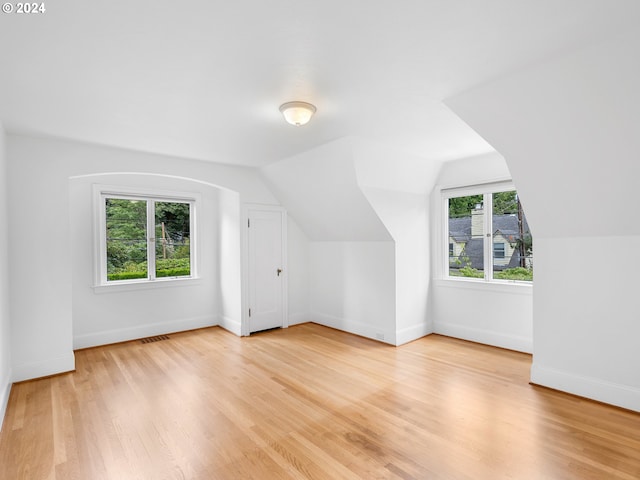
(126, 239)
(173, 246)
(466, 250)
(514, 260)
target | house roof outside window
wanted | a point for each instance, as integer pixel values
(505, 225)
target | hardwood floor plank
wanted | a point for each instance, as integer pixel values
(308, 402)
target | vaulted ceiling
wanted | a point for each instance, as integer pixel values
(204, 79)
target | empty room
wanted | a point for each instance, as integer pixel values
(319, 240)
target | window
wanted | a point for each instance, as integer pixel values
(488, 234)
(145, 238)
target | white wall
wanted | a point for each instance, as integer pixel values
(485, 314)
(229, 277)
(587, 330)
(353, 287)
(569, 131)
(5, 328)
(114, 314)
(397, 186)
(40, 237)
(40, 262)
(298, 258)
(500, 315)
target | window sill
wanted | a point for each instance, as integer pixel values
(498, 286)
(146, 284)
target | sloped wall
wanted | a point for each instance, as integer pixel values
(406, 217)
(320, 191)
(569, 132)
(364, 208)
(350, 252)
(397, 185)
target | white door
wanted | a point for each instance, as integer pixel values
(266, 269)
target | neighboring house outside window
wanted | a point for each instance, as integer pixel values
(144, 238)
(488, 234)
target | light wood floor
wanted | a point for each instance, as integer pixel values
(308, 402)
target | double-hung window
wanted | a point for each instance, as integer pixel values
(145, 238)
(487, 234)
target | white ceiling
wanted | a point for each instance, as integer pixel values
(204, 79)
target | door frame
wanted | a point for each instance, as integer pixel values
(246, 208)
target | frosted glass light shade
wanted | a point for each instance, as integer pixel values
(297, 113)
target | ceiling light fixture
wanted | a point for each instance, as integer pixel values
(297, 113)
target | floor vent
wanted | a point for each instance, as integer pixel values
(157, 338)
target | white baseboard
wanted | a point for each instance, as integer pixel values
(44, 368)
(415, 332)
(616, 394)
(488, 337)
(358, 328)
(231, 325)
(5, 391)
(106, 337)
(298, 318)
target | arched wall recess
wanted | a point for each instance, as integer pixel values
(106, 315)
(39, 175)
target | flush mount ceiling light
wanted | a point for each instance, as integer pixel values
(297, 113)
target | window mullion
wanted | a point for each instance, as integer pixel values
(151, 240)
(488, 236)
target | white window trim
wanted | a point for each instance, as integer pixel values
(488, 282)
(100, 192)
